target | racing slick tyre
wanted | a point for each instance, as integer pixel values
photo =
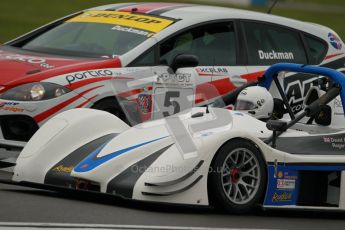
(111, 105)
(238, 178)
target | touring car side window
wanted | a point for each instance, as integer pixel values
(317, 49)
(147, 59)
(213, 44)
(269, 44)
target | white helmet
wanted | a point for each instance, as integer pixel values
(256, 101)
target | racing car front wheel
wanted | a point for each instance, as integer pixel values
(238, 177)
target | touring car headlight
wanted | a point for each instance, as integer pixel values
(37, 91)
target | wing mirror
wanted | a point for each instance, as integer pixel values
(278, 127)
(184, 61)
(324, 116)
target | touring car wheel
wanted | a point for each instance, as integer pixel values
(110, 105)
(238, 178)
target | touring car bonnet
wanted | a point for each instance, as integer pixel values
(274, 70)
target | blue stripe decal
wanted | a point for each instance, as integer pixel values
(92, 161)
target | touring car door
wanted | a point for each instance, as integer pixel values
(214, 45)
(269, 44)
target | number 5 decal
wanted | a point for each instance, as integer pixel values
(169, 102)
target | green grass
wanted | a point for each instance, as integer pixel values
(20, 16)
(332, 20)
(323, 2)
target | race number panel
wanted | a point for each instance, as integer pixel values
(169, 101)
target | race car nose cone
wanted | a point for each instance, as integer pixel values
(235, 175)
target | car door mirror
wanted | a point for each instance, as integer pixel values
(184, 61)
(277, 125)
(324, 117)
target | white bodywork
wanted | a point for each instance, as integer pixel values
(67, 132)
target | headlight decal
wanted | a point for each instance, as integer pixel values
(44, 115)
(36, 91)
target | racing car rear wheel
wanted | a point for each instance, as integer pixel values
(237, 181)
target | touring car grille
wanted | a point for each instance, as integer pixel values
(18, 127)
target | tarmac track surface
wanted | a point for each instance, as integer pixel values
(21, 204)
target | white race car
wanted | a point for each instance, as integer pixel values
(126, 59)
(203, 156)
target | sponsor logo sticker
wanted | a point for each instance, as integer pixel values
(273, 55)
(180, 79)
(9, 103)
(28, 59)
(296, 89)
(206, 71)
(63, 169)
(71, 78)
(133, 31)
(286, 184)
(283, 197)
(335, 41)
(137, 21)
(145, 102)
(11, 107)
(337, 143)
(283, 188)
(288, 176)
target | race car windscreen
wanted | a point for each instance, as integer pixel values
(98, 34)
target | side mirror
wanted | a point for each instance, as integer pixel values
(184, 61)
(324, 117)
(277, 125)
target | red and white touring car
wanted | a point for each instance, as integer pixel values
(143, 61)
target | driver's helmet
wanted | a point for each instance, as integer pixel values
(256, 101)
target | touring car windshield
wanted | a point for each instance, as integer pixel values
(98, 34)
